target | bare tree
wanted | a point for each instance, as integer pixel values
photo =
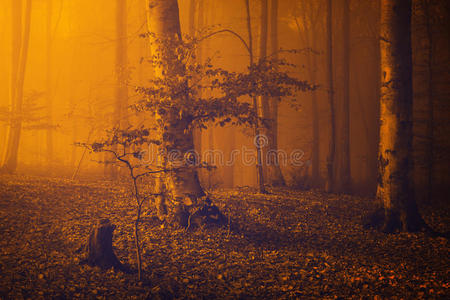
(19, 62)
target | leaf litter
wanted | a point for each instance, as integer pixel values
(287, 244)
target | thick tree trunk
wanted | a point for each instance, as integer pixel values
(20, 53)
(179, 188)
(395, 149)
(99, 246)
(330, 185)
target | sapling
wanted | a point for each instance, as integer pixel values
(125, 147)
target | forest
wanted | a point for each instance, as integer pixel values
(239, 149)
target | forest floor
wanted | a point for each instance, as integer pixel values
(288, 244)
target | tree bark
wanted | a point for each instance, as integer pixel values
(395, 148)
(20, 53)
(179, 188)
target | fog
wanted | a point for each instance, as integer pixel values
(85, 58)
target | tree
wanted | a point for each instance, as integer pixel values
(330, 185)
(395, 188)
(258, 138)
(270, 106)
(344, 174)
(174, 98)
(121, 93)
(310, 13)
(182, 185)
(19, 61)
(49, 104)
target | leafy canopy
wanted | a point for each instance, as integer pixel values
(201, 93)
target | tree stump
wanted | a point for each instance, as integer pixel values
(99, 246)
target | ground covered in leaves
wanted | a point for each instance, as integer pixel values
(289, 244)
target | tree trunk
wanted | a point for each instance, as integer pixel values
(345, 175)
(310, 18)
(49, 104)
(330, 185)
(99, 246)
(274, 176)
(395, 149)
(258, 141)
(430, 95)
(193, 16)
(20, 53)
(120, 106)
(180, 188)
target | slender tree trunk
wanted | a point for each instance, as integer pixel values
(18, 75)
(345, 174)
(49, 104)
(121, 93)
(312, 14)
(180, 188)
(330, 186)
(258, 139)
(430, 95)
(263, 101)
(395, 149)
(193, 16)
(315, 156)
(274, 175)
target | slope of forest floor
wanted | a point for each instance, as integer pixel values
(288, 244)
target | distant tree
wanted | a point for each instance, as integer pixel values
(330, 184)
(344, 168)
(269, 106)
(120, 117)
(258, 144)
(49, 92)
(20, 43)
(307, 18)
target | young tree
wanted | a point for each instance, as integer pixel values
(19, 61)
(395, 150)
